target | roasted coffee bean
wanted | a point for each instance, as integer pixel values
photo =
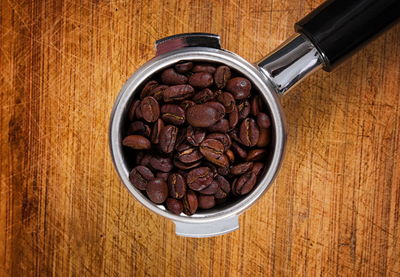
(257, 168)
(185, 104)
(158, 92)
(189, 155)
(233, 117)
(213, 151)
(140, 176)
(181, 137)
(256, 155)
(139, 128)
(254, 105)
(132, 110)
(176, 185)
(155, 132)
(264, 138)
(173, 114)
(202, 115)
(177, 93)
(239, 150)
(206, 201)
(211, 189)
(183, 67)
(174, 206)
(161, 163)
(221, 126)
(233, 134)
(223, 187)
(138, 112)
(168, 138)
(201, 80)
(190, 203)
(224, 171)
(145, 160)
(240, 87)
(221, 76)
(162, 175)
(203, 96)
(223, 138)
(171, 77)
(149, 86)
(217, 93)
(195, 135)
(263, 120)
(136, 142)
(227, 100)
(157, 190)
(249, 132)
(244, 184)
(218, 107)
(241, 168)
(150, 109)
(199, 178)
(204, 68)
(243, 109)
(186, 166)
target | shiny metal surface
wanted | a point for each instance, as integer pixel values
(291, 62)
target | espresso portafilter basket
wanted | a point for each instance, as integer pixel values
(323, 39)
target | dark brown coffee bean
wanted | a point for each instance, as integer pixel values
(171, 77)
(257, 168)
(140, 176)
(263, 120)
(239, 150)
(150, 109)
(206, 201)
(222, 126)
(227, 100)
(183, 67)
(203, 96)
(161, 164)
(256, 155)
(243, 109)
(241, 168)
(132, 110)
(244, 184)
(189, 155)
(157, 190)
(190, 203)
(218, 107)
(138, 112)
(187, 104)
(181, 137)
(174, 206)
(249, 132)
(176, 185)
(223, 189)
(217, 93)
(204, 68)
(264, 138)
(221, 76)
(178, 92)
(158, 92)
(254, 105)
(150, 85)
(145, 160)
(168, 138)
(136, 142)
(223, 138)
(138, 128)
(173, 114)
(201, 80)
(186, 166)
(224, 171)
(233, 117)
(230, 156)
(199, 178)
(202, 115)
(211, 189)
(155, 132)
(240, 87)
(195, 135)
(213, 151)
(162, 175)
(182, 147)
(233, 134)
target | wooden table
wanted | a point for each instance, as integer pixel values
(334, 210)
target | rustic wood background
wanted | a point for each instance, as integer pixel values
(333, 211)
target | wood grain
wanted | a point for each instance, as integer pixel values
(333, 211)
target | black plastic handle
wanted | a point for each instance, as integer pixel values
(338, 28)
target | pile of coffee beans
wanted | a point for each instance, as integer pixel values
(199, 134)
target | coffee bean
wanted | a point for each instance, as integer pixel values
(256, 155)
(183, 67)
(202, 115)
(230, 156)
(199, 178)
(218, 107)
(157, 190)
(213, 151)
(140, 176)
(204, 68)
(177, 185)
(221, 76)
(224, 171)
(223, 138)
(150, 109)
(195, 135)
(187, 104)
(168, 138)
(263, 120)
(211, 189)
(150, 85)
(155, 132)
(161, 164)
(178, 92)
(138, 112)
(189, 155)
(239, 150)
(227, 100)
(174, 206)
(264, 138)
(206, 201)
(243, 109)
(254, 105)
(181, 137)
(132, 110)
(158, 92)
(240, 87)
(171, 77)
(162, 175)
(221, 126)
(173, 114)
(249, 132)
(145, 160)
(257, 168)
(233, 117)
(201, 80)
(244, 184)
(241, 168)
(139, 128)
(203, 96)
(136, 142)
(233, 134)
(186, 166)
(223, 189)
(190, 203)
